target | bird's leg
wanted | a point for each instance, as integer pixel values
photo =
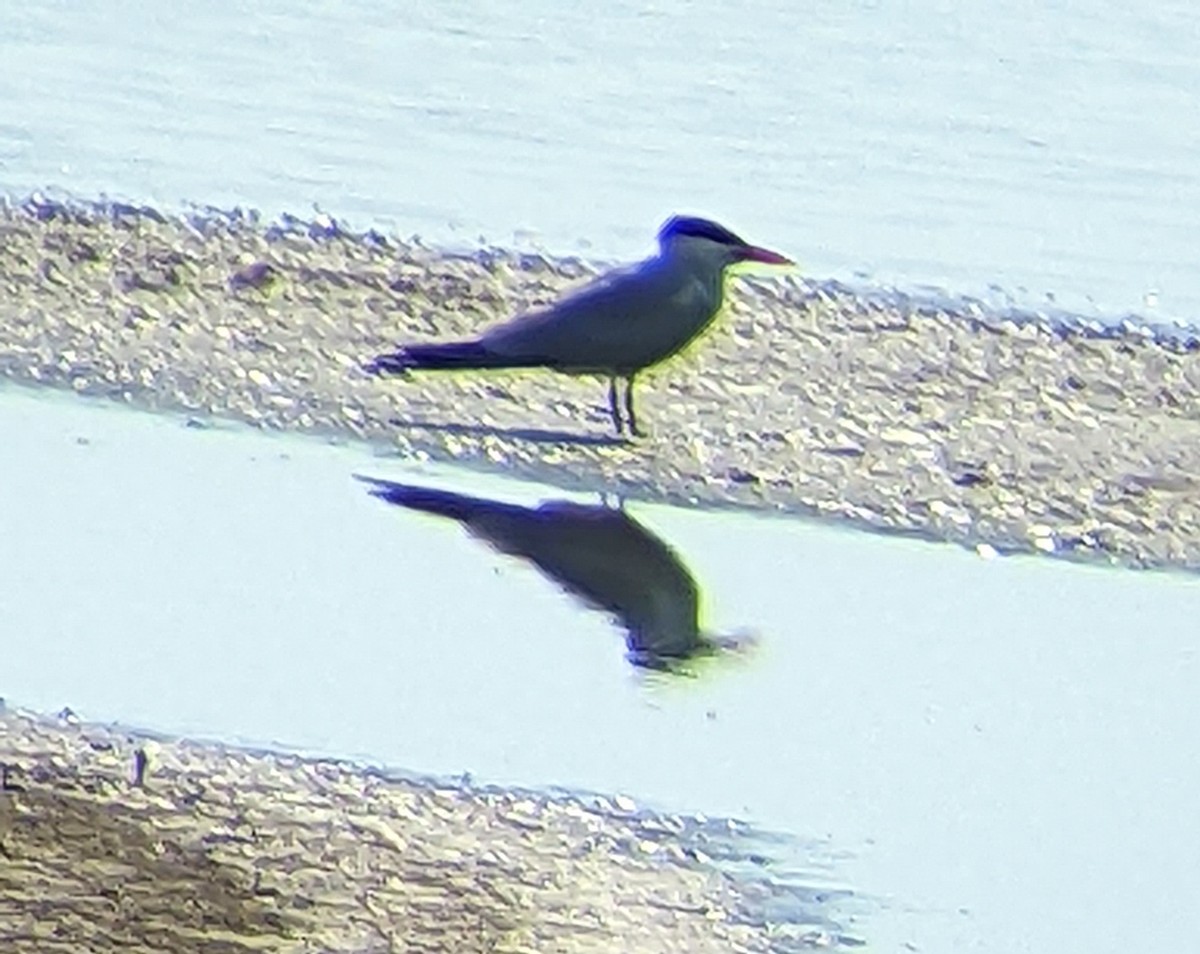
(630, 416)
(614, 407)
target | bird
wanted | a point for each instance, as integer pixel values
(599, 554)
(616, 326)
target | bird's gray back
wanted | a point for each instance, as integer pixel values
(621, 323)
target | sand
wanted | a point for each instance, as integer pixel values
(220, 849)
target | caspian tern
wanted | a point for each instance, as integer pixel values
(616, 326)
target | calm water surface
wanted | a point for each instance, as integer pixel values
(1042, 148)
(993, 753)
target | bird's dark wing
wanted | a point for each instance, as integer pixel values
(624, 321)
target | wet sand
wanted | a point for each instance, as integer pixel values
(952, 423)
(221, 849)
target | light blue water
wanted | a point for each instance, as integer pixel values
(1045, 148)
(999, 750)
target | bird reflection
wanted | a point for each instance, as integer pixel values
(597, 553)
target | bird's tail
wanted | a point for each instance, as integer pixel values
(459, 355)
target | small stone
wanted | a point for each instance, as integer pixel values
(255, 275)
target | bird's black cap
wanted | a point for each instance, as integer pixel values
(680, 225)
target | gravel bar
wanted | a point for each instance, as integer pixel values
(141, 844)
(949, 421)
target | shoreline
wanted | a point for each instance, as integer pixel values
(887, 412)
(146, 843)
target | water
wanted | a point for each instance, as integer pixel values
(992, 752)
(1017, 151)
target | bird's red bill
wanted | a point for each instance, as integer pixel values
(752, 253)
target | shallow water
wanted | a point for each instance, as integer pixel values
(1023, 150)
(992, 752)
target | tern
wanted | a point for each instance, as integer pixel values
(616, 326)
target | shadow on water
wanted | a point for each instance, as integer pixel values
(600, 555)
